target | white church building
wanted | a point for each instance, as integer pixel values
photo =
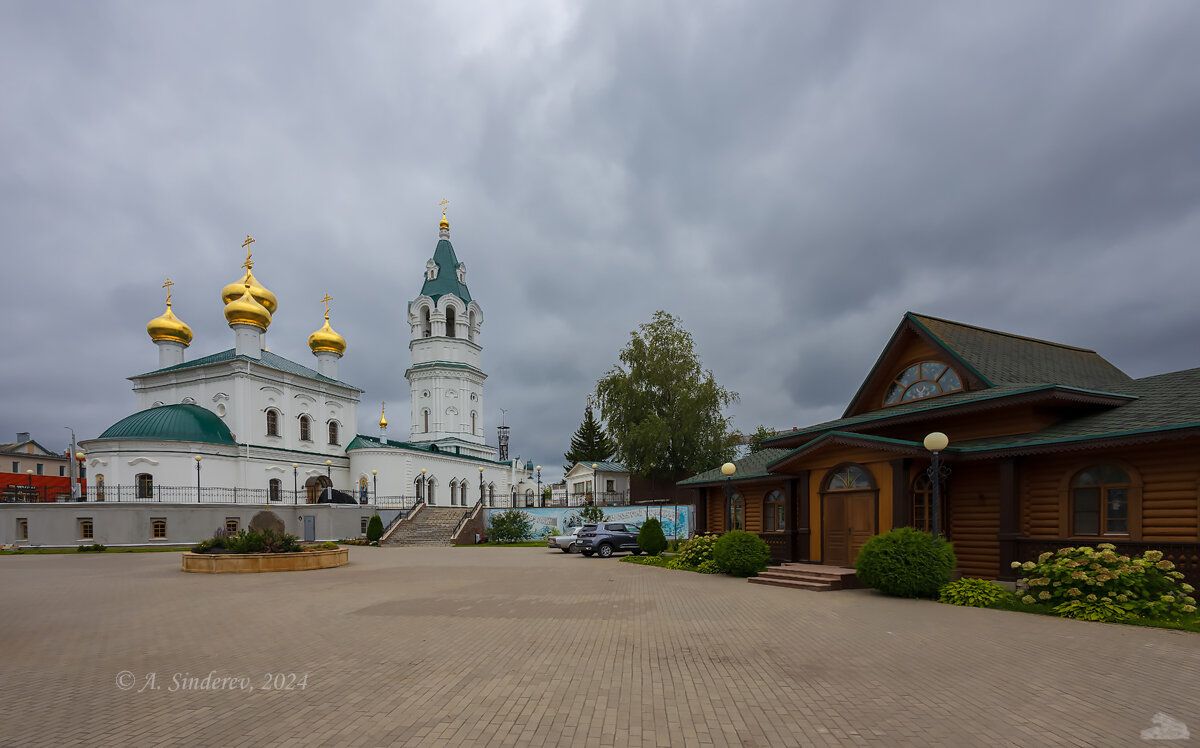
(245, 425)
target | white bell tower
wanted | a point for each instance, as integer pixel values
(446, 377)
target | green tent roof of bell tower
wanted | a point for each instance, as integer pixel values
(446, 281)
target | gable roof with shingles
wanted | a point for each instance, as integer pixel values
(1164, 402)
(1004, 358)
(753, 465)
(268, 359)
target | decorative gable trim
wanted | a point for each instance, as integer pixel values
(889, 363)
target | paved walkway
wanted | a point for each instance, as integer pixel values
(484, 646)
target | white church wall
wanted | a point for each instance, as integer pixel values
(130, 524)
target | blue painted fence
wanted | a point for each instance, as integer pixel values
(676, 519)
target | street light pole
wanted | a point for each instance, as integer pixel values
(541, 498)
(728, 469)
(480, 484)
(329, 477)
(375, 481)
(935, 443)
(79, 457)
(295, 483)
(198, 458)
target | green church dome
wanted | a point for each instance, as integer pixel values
(172, 423)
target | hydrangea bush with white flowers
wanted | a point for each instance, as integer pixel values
(1099, 584)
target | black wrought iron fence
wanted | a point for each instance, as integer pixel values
(148, 494)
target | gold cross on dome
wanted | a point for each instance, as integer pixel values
(326, 300)
(246, 244)
(167, 286)
(444, 203)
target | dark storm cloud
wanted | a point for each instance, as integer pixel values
(786, 178)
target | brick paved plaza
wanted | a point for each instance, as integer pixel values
(483, 646)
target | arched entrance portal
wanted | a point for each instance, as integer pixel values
(314, 486)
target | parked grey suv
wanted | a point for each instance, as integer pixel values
(607, 538)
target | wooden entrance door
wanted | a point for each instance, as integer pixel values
(848, 522)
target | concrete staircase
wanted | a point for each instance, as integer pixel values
(430, 525)
(813, 577)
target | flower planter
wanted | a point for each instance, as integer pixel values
(238, 563)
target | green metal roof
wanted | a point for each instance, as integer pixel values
(446, 281)
(603, 466)
(753, 465)
(268, 359)
(176, 423)
(371, 442)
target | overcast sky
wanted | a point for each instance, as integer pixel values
(787, 178)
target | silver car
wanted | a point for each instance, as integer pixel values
(565, 543)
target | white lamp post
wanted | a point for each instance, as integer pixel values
(935, 443)
(728, 469)
(198, 458)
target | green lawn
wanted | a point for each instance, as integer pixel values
(46, 551)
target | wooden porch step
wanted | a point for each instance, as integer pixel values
(809, 577)
(796, 584)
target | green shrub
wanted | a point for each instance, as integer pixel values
(374, 528)
(591, 514)
(741, 553)
(974, 593)
(650, 538)
(648, 561)
(696, 551)
(1092, 608)
(1145, 586)
(906, 563)
(709, 567)
(511, 526)
(93, 548)
(250, 541)
(329, 545)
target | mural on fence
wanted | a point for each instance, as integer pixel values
(676, 519)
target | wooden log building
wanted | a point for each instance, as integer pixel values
(1050, 446)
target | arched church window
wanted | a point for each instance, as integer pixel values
(528, 497)
(919, 381)
(426, 414)
(471, 326)
(462, 493)
(431, 485)
(275, 489)
(472, 422)
(333, 432)
(145, 486)
(453, 494)
(426, 325)
(305, 429)
(450, 322)
(272, 423)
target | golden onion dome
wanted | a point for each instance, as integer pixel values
(245, 310)
(169, 327)
(261, 295)
(327, 340)
(383, 416)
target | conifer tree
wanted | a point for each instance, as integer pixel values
(590, 443)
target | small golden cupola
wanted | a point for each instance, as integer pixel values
(383, 415)
(167, 327)
(234, 290)
(326, 340)
(246, 310)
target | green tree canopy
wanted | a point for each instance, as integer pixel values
(755, 441)
(590, 443)
(663, 410)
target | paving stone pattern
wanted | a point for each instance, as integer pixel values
(438, 646)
